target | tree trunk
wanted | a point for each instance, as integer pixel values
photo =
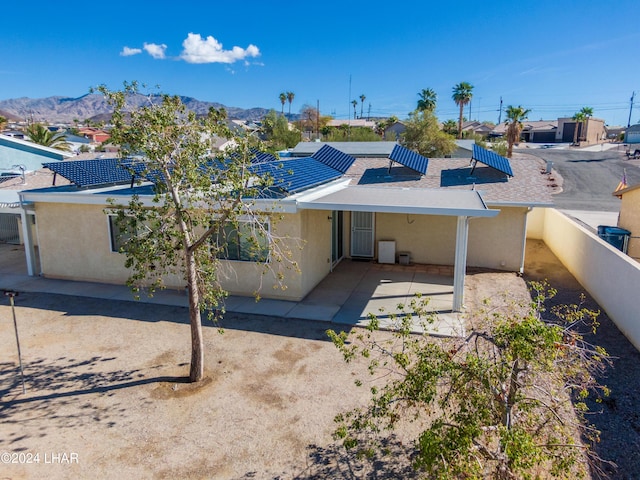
(460, 121)
(196, 372)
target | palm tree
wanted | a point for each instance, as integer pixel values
(290, 96)
(362, 98)
(450, 127)
(355, 104)
(515, 115)
(427, 100)
(283, 98)
(41, 135)
(579, 117)
(588, 113)
(462, 94)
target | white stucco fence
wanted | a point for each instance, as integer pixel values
(611, 277)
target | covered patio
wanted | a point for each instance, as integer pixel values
(355, 289)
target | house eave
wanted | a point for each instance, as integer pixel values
(521, 204)
(460, 203)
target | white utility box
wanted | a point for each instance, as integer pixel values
(387, 251)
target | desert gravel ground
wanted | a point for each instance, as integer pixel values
(106, 393)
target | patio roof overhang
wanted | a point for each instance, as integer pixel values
(456, 203)
(462, 204)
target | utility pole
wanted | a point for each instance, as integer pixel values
(631, 109)
(349, 113)
(318, 120)
(500, 110)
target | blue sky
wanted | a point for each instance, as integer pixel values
(553, 57)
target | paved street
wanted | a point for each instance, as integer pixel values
(589, 177)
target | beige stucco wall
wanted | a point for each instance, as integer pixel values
(498, 242)
(312, 256)
(610, 277)
(535, 223)
(75, 244)
(429, 239)
(630, 220)
(493, 242)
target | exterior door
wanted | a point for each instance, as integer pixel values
(362, 232)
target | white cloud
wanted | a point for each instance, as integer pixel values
(155, 50)
(127, 52)
(209, 50)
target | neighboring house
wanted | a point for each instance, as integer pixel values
(17, 158)
(590, 132)
(540, 131)
(10, 212)
(616, 132)
(15, 152)
(629, 218)
(356, 122)
(476, 127)
(394, 131)
(341, 199)
(632, 134)
(77, 142)
(96, 135)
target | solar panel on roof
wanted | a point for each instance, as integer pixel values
(262, 157)
(409, 158)
(492, 160)
(88, 173)
(297, 174)
(257, 156)
(290, 176)
(334, 158)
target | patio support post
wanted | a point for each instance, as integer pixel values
(460, 263)
(27, 237)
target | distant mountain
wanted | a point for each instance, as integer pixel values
(93, 107)
(9, 116)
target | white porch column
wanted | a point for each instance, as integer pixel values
(460, 263)
(27, 236)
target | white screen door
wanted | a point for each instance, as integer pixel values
(362, 232)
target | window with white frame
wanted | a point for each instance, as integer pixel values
(248, 241)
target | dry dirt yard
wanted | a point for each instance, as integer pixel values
(106, 395)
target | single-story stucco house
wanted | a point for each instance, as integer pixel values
(360, 200)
